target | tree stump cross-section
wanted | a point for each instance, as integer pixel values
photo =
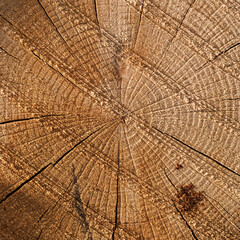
(119, 119)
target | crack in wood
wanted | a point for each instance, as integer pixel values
(39, 235)
(9, 54)
(185, 198)
(24, 183)
(140, 20)
(185, 15)
(218, 55)
(169, 180)
(96, 12)
(55, 69)
(117, 200)
(195, 150)
(32, 118)
(88, 86)
(187, 224)
(177, 30)
(40, 218)
(77, 144)
(225, 51)
(69, 49)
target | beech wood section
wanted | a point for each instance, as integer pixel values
(119, 119)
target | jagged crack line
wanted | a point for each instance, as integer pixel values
(67, 79)
(25, 182)
(69, 49)
(27, 119)
(117, 200)
(66, 153)
(203, 154)
(195, 237)
(61, 36)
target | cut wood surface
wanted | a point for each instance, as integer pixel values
(119, 119)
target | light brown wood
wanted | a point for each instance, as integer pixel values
(119, 119)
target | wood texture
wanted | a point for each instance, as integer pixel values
(119, 119)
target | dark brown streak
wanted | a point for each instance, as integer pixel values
(78, 202)
(31, 118)
(231, 99)
(25, 182)
(203, 154)
(117, 201)
(59, 199)
(194, 236)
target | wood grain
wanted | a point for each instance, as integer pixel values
(119, 119)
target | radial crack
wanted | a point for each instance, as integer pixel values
(218, 55)
(25, 182)
(8, 53)
(54, 25)
(223, 52)
(117, 200)
(96, 12)
(170, 180)
(140, 20)
(39, 235)
(66, 153)
(36, 54)
(203, 154)
(180, 25)
(177, 30)
(31, 118)
(195, 237)
(40, 218)
(55, 70)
